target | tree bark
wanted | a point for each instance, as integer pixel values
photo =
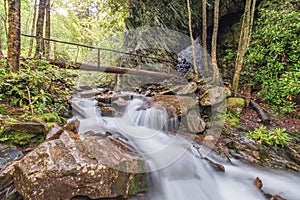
(39, 31)
(48, 30)
(251, 21)
(243, 42)
(14, 34)
(204, 36)
(192, 39)
(5, 17)
(214, 42)
(32, 28)
(1, 53)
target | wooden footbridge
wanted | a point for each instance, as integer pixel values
(114, 69)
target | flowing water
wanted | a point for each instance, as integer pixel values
(176, 170)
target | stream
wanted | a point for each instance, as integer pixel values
(175, 166)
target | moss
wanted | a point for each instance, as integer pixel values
(22, 139)
(235, 105)
(138, 184)
(9, 120)
(4, 110)
(49, 117)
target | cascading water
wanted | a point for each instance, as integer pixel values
(176, 171)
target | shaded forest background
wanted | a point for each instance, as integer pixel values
(270, 57)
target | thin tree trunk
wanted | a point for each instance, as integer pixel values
(32, 28)
(54, 51)
(204, 36)
(251, 21)
(5, 18)
(27, 24)
(47, 31)
(214, 42)
(192, 39)
(1, 53)
(39, 31)
(14, 34)
(243, 44)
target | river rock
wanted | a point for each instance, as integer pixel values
(193, 122)
(9, 154)
(235, 105)
(213, 96)
(182, 104)
(107, 109)
(56, 131)
(6, 176)
(68, 166)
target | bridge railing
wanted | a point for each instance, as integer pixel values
(100, 50)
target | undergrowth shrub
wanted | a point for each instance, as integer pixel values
(40, 87)
(273, 59)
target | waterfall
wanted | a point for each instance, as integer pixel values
(176, 170)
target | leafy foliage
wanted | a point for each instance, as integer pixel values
(274, 58)
(230, 119)
(274, 137)
(39, 86)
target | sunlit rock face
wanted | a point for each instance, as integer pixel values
(94, 166)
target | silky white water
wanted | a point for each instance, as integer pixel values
(176, 171)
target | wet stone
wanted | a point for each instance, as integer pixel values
(71, 165)
(9, 154)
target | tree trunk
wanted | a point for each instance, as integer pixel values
(243, 42)
(47, 31)
(214, 42)
(1, 53)
(5, 17)
(192, 39)
(204, 36)
(14, 37)
(32, 28)
(39, 31)
(251, 21)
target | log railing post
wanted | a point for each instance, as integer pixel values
(99, 59)
(138, 67)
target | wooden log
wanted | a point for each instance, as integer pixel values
(121, 70)
(108, 69)
(60, 64)
(265, 119)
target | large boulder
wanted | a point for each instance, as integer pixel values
(95, 166)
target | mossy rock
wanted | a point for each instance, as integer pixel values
(23, 133)
(22, 139)
(235, 105)
(50, 118)
(5, 110)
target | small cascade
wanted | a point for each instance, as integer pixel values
(87, 111)
(139, 114)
